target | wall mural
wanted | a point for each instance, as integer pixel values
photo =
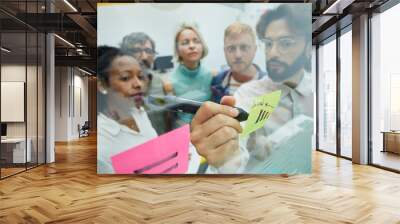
(210, 88)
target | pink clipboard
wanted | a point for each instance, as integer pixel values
(166, 154)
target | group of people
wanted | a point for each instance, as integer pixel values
(126, 77)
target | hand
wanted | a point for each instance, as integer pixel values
(215, 131)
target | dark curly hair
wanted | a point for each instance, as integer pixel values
(105, 56)
(297, 16)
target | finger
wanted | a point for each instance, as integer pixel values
(219, 121)
(221, 137)
(223, 153)
(201, 132)
(228, 100)
(210, 109)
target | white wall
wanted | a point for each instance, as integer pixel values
(79, 117)
(69, 82)
(160, 21)
(14, 73)
(61, 111)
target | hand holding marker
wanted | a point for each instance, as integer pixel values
(174, 103)
(262, 107)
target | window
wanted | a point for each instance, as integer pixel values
(346, 93)
(22, 68)
(385, 89)
(327, 96)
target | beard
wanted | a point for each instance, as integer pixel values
(288, 70)
(245, 67)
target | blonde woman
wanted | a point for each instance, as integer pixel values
(191, 80)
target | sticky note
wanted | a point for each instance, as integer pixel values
(260, 111)
(166, 154)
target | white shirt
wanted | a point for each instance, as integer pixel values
(114, 138)
(291, 119)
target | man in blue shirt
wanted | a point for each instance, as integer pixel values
(240, 49)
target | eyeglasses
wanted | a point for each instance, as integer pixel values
(284, 44)
(242, 47)
(141, 50)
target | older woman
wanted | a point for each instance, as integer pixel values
(191, 80)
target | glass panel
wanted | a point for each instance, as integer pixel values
(314, 76)
(31, 97)
(31, 86)
(327, 97)
(41, 99)
(386, 89)
(22, 68)
(13, 86)
(346, 94)
(394, 101)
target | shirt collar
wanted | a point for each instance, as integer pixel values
(256, 76)
(113, 127)
(108, 125)
(303, 88)
(185, 70)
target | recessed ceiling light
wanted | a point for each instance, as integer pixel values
(86, 72)
(5, 50)
(337, 7)
(70, 5)
(64, 40)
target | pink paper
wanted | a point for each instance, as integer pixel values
(166, 154)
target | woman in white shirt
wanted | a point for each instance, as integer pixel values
(122, 122)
